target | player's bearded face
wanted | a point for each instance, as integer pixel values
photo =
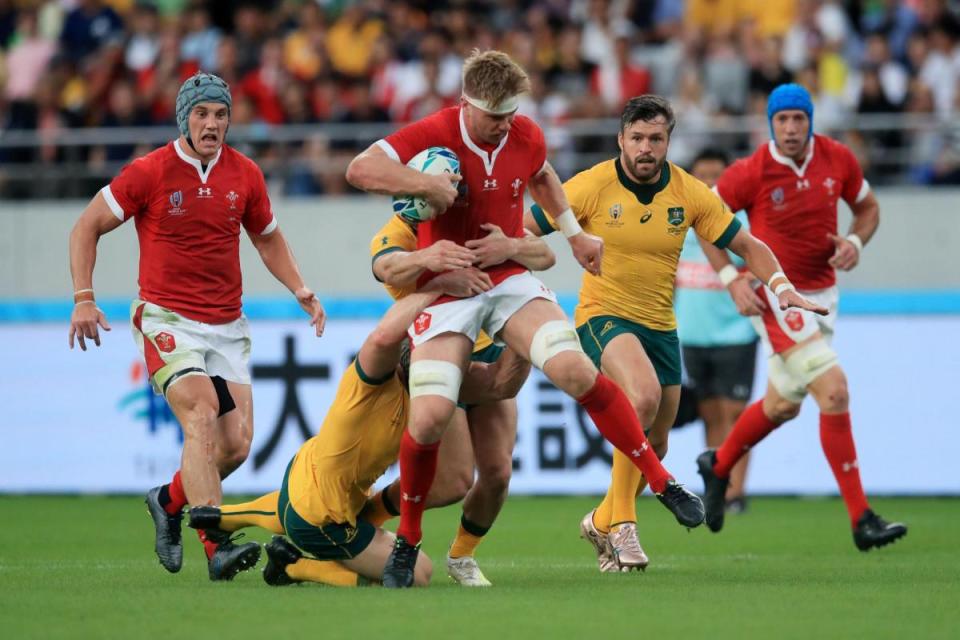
(791, 130)
(643, 148)
(208, 127)
(488, 128)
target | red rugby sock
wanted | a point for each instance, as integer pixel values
(751, 427)
(418, 466)
(617, 421)
(836, 437)
(172, 498)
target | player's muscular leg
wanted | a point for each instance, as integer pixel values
(663, 421)
(570, 371)
(430, 411)
(625, 361)
(373, 559)
(235, 430)
(454, 466)
(778, 408)
(829, 389)
(493, 429)
(193, 401)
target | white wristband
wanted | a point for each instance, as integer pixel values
(728, 274)
(82, 291)
(777, 274)
(567, 223)
(855, 240)
(782, 287)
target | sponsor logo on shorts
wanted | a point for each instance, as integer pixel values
(794, 319)
(422, 323)
(165, 342)
(606, 327)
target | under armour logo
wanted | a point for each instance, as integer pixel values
(407, 498)
(204, 192)
(490, 184)
(803, 184)
(636, 453)
(850, 466)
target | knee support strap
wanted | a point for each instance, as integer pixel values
(551, 338)
(435, 378)
(810, 361)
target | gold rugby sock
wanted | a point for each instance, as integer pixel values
(322, 571)
(261, 512)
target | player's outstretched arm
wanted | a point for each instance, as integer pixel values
(547, 191)
(402, 268)
(866, 219)
(496, 247)
(738, 285)
(374, 171)
(761, 261)
(96, 220)
(278, 258)
(380, 352)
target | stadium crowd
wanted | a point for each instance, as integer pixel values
(119, 63)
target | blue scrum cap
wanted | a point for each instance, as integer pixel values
(201, 87)
(789, 96)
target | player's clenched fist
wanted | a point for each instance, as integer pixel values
(588, 250)
(84, 321)
(440, 191)
(445, 255)
(846, 256)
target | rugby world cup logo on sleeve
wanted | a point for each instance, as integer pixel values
(422, 323)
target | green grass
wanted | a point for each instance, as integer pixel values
(84, 567)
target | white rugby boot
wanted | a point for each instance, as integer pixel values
(598, 540)
(466, 572)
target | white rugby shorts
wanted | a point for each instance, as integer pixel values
(489, 310)
(174, 346)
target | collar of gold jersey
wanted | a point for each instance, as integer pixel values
(644, 192)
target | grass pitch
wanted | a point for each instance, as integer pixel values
(85, 568)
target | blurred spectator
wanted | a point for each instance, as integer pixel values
(249, 33)
(617, 79)
(8, 22)
(202, 40)
(767, 71)
(933, 68)
(265, 83)
(88, 27)
(123, 112)
(350, 40)
(303, 48)
(27, 59)
(144, 44)
(893, 18)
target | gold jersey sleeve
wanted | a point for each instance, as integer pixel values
(395, 235)
(643, 228)
(358, 440)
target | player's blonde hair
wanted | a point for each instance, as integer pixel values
(493, 77)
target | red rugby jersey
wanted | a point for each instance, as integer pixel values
(793, 208)
(495, 178)
(188, 224)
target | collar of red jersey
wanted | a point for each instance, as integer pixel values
(489, 159)
(784, 160)
(195, 162)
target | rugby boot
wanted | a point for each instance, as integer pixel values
(204, 517)
(280, 553)
(466, 572)
(684, 505)
(168, 544)
(873, 531)
(398, 572)
(229, 559)
(714, 489)
(624, 547)
(598, 540)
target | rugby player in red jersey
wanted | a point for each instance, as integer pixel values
(189, 201)
(501, 155)
(790, 188)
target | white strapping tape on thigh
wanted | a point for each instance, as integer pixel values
(435, 378)
(552, 338)
(811, 361)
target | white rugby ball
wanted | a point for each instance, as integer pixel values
(434, 160)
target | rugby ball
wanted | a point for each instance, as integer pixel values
(434, 160)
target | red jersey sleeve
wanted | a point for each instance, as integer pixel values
(854, 186)
(538, 151)
(129, 193)
(408, 141)
(735, 185)
(258, 215)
